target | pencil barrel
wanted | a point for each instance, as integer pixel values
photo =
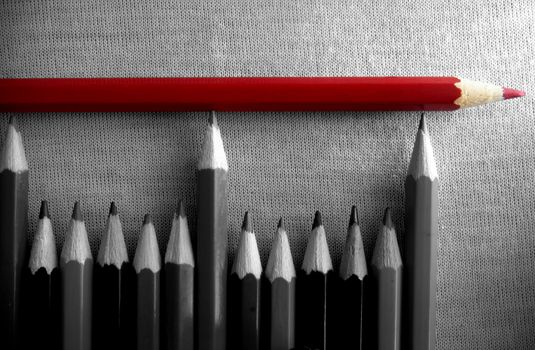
(348, 300)
(148, 310)
(245, 309)
(179, 306)
(13, 226)
(389, 286)
(282, 314)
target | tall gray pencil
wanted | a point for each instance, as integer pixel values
(76, 285)
(147, 265)
(245, 291)
(387, 270)
(421, 196)
(179, 270)
(280, 272)
(212, 212)
(13, 225)
(353, 280)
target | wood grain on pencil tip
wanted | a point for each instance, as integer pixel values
(246, 94)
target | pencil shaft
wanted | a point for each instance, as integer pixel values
(42, 310)
(148, 310)
(76, 281)
(349, 301)
(211, 266)
(282, 325)
(179, 306)
(245, 304)
(421, 262)
(13, 224)
(389, 285)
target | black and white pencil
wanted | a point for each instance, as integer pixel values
(147, 264)
(13, 226)
(76, 264)
(353, 279)
(245, 291)
(179, 291)
(387, 270)
(314, 283)
(113, 288)
(280, 272)
(212, 213)
(43, 288)
(421, 222)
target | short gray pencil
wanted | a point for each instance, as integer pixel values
(421, 222)
(76, 285)
(387, 270)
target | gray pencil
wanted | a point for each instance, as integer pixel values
(280, 272)
(212, 212)
(387, 270)
(13, 224)
(421, 196)
(147, 265)
(76, 265)
(179, 269)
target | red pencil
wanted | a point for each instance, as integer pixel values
(246, 94)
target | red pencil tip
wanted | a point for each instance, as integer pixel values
(509, 93)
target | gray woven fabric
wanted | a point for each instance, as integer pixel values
(291, 164)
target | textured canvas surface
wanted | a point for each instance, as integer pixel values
(291, 164)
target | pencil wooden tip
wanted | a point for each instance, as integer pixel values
(43, 213)
(280, 224)
(423, 125)
(354, 219)
(212, 119)
(181, 209)
(113, 209)
(147, 219)
(509, 93)
(13, 122)
(247, 223)
(317, 220)
(387, 218)
(76, 212)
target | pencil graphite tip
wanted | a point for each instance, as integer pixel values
(147, 219)
(247, 223)
(212, 120)
(280, 224)
(387, 218)
(423, 124)
(43, 213)
(354, 219)
(76, 212)
(113, 209)
(181, 209)
(317, 220)
(13, 122)
(509, 93)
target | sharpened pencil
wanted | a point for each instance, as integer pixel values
(353, 277)
(246, 94)
(212, 212)
(314, 283)
(179, 274)
(43, 287)
(113, 289)
(245, 292)
(76, 285)
(388, 275)
(421, 222)
(147, 264)
(13, 226)
(280, 272)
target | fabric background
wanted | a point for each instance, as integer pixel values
(291, 164)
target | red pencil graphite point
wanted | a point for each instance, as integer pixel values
(509, 93)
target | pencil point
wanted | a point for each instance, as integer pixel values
(181, 209)
(247, 223)
(13, 122)
(354, 219)
(281, 224)
(317, 220)
(387, 218)
(113, 209)
(212, 120)
(423, 124)
(43, 213)
(509, 93)
(76, 212)
(147, 219)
